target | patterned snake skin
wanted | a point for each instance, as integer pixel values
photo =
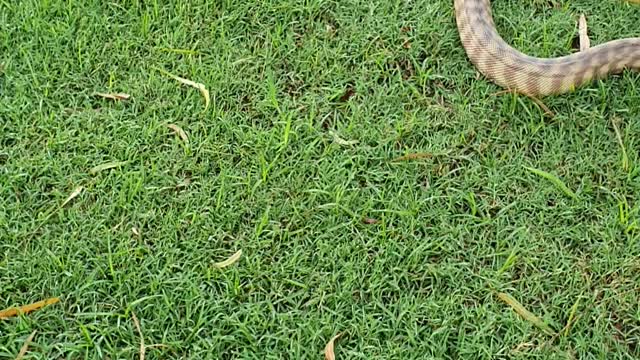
(532, 76)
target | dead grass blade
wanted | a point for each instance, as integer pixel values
(414, 156)
(555, 181)
(585, 43)
(73, 195)
(230, 261)
(25, 346)
(328, 349)
(106, 166)
(116, 96)
(178, 130)
(340, 141)
(137, 325)
(11, 312)
(203, 89)
(518, 308)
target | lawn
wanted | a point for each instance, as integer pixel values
(377, 186)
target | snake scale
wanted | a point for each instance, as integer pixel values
(533, 76)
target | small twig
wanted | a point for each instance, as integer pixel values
(137, 324)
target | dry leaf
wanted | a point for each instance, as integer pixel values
(75, 193)
(370, 221)
(25, 346)
(178, 130)
(518, 308)
(203, 90)
(117, 96)
(585, 43)
(341, 141)
(137, 324)
(135, 231)
(11, 312)
(106, 166)
(415, 156)
(230, 261)
(328, 349)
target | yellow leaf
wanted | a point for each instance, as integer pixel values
(75, 193)
(180, 132)
(518, 308)
(328, 349)
(230, 261)
(7, 313)
(117, 96)
(203, 90)
(106, 166)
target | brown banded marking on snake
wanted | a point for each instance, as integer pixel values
(534, 76)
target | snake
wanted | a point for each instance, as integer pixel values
(533, 76)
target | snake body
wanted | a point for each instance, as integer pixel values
(534, 76)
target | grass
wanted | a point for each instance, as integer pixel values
(293, 163)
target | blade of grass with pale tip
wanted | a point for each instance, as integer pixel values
(328, 349)
(518, 308)
(555, 181)
(11, 312)
(106, 166)
(73, 195)
(25, 346)
(203, 90)
(230, 261)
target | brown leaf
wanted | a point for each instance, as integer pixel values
(11, 312)
(370, 221)
(414, 156)
(178, 130)
(25, 346)
(117, 96)
(328, 349)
